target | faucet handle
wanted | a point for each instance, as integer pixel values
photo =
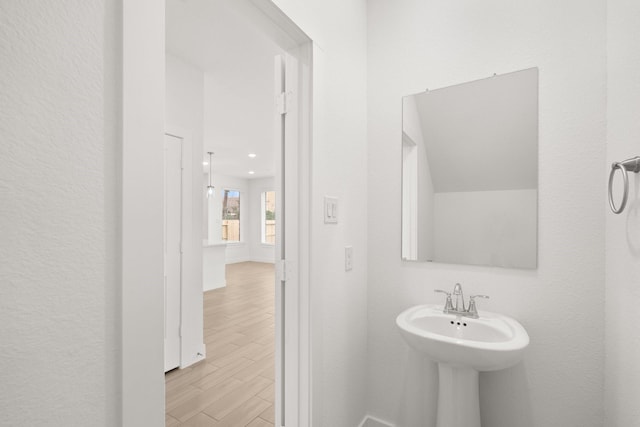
(448, 306)
(473, 311)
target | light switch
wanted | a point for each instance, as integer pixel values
(330, 210)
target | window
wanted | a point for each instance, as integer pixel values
(269, 217)
(231, 216)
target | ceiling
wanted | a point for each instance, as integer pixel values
(234, 45)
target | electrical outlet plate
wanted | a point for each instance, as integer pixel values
(348, 258)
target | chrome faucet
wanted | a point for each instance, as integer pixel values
(459, 298)
(458, 307)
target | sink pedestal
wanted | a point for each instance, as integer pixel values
(462, 347)
(458, 397)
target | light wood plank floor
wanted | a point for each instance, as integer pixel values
(234, 386)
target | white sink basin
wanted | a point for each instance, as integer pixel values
(462, 346)
(489, 343)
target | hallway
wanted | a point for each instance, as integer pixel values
(234, 386)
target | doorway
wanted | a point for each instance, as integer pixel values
(143, 128)
(228, 119)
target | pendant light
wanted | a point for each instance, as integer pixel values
(210, 188)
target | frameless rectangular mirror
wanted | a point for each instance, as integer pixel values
(470, 173)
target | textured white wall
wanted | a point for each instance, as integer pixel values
(339, 159)
(58, 204)
(623, 231)
(415, 44)
(60, 298)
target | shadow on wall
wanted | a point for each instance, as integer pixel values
(508, 388)
(633, 219)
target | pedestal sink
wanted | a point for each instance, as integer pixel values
(462, 347)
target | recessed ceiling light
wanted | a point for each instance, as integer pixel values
(252, 155)
(251, 172)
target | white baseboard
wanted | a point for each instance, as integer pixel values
(370, 421)
(250, 259)
(216, 286)
(202, 355)
(236, 260)
(265, 260)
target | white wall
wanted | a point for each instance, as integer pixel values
(415, 44)
(59, 214)
(623, 231)
(184, 101)
(339, 159)
(258, 251)
(238, 111)
(486, 228)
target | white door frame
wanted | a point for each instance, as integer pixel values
(409, 198)
(192, 348)
(143, 86)
(171, 332)
(287, 296)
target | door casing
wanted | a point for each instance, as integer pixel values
(143, 84)
(173, 236)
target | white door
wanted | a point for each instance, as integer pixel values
(287, 246)
(172, 249)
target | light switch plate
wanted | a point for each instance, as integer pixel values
(330, 210)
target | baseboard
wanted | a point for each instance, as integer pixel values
(250, 259)
(201, 356)
(370, 421)
(265, 260)
(216, 286)
(237, 260)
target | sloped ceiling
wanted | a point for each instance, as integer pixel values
(482, 135)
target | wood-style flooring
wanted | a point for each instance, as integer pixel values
(234, 386)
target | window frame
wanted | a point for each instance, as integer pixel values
(222, 216)
(263, 217)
